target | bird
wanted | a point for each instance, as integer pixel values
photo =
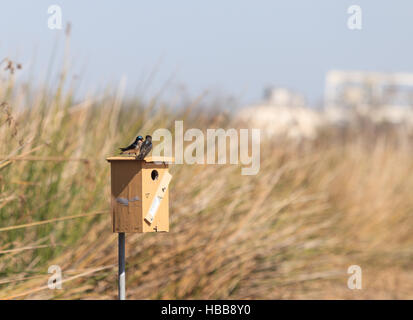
(135, 147)
(145, 148)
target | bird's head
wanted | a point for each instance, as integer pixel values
(139, 138)
(148, 138)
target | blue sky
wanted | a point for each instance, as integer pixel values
(230, 47)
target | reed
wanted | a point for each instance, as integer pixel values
(291, 231)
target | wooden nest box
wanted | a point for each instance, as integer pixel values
(140, 195)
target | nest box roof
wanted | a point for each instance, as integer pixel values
(147, 159)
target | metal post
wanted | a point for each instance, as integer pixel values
(121, 257)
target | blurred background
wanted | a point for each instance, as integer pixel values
(334, 106)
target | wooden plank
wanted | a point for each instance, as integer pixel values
(147, 159)
(126, 186)
(149, 188)
(158, 197)
(135, 201)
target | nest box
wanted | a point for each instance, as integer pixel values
(140, 196)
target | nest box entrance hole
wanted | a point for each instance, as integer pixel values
(154, 175)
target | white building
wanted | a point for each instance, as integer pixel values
(282, 113)
(383, 97)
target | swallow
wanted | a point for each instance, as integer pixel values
(135, 147)
(145, 148)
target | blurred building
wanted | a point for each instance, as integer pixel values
(349, 96)
(283, 97)
(382, 97)
(283, 112)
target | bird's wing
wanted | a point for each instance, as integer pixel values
(132, 146)
(145, 149)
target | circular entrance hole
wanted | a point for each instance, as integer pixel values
(154, 175)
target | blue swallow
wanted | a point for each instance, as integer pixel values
(135, 147)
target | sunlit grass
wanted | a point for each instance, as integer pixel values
(314, 209)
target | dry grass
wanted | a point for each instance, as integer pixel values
(290, 232)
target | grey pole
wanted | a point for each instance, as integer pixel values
(121, 257)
